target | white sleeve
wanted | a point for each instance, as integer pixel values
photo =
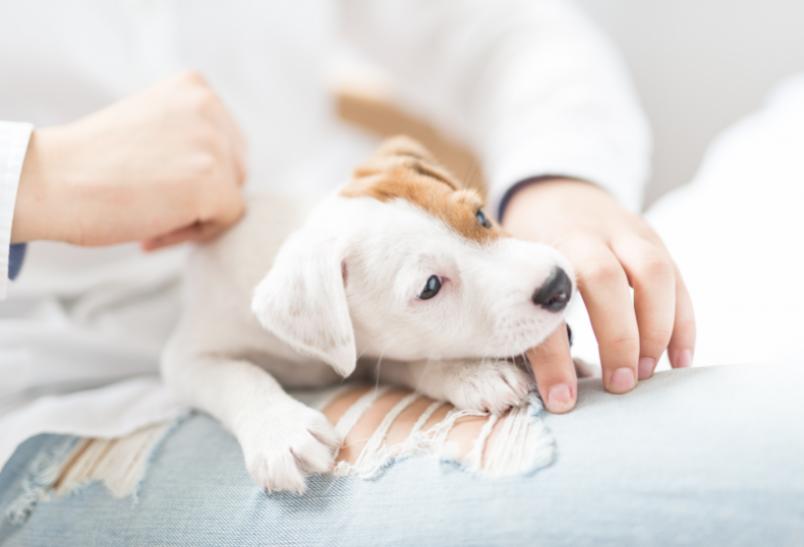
(531, 85)
(13, 146)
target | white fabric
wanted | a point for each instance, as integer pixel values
(530, 84)
(133, 404)
(13, 145)
(737, 234)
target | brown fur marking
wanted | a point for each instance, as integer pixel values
(403, 169)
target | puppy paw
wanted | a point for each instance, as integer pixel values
(284, 443)
(493, 386)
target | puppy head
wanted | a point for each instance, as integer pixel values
(404, 263)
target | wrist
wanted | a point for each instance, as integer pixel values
(41, 206)
(542, 197)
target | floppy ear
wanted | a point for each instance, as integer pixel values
(302, 301)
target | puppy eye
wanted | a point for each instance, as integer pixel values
(482, 219)
(431, 288)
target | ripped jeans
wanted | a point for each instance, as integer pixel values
(709, 456)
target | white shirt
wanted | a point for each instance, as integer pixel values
(530, 85)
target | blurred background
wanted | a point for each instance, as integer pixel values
(699, 66)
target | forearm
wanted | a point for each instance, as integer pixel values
(161, 167)
(70, 191)
(36, 214)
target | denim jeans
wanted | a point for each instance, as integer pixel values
(711, 456)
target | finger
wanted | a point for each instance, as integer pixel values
(682, 342)
(604, 287)
(552, 366)
(175, 237)
(652, 275)
(224, 209)
(194, 232)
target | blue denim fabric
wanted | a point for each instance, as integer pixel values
(16, 256)
(696, 457)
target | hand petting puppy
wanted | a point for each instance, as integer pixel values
(162, 166)
(610, 249)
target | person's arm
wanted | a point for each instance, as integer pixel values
(161, 166)
(13, 144)
(533, 86)
(540, 94)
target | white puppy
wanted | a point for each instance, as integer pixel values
(401, 264)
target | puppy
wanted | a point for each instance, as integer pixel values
(401, 264)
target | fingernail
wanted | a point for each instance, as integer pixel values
(646, 366)
(684, 359)
(559, 398)
(622, 380)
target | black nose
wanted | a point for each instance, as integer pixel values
(555, 293)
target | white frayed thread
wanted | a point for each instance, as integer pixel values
(521, 443)
(444, 448)
(376, 456)
(358, 408)
(120, 463)
(474, 459)
(426, 415)
(373, 451)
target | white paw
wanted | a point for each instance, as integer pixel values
(284, 442)
(493, 386)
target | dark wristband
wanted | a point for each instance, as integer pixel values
(16, 256)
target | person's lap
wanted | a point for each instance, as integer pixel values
(702, 456)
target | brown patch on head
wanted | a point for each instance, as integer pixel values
(403, 169)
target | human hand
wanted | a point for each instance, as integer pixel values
(610, 249)
(162, 166)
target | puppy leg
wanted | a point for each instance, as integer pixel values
(491, 385)
(281, 438)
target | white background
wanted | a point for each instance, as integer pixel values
(699, 65)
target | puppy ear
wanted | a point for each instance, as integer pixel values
(302, 301)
